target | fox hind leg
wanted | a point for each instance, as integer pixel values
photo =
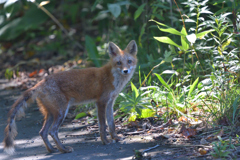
(44, 133)
(48, 120)
(58, 119)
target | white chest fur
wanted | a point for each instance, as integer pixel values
(119, 82)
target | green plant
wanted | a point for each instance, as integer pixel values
(220, 149)
(136, 105)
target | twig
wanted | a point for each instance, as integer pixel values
(146, 150)
(81, 127)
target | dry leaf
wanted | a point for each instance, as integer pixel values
(202, 151)
(182, 119)
(33, 73)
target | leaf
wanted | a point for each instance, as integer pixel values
(191, 38)
(142, 32)
(134, 89)
(225, 44)
(9, 3)
(115, 9)
(202, 151)
(145, 113)
(161, 24)
(162, 81)
(80, 115)
(92, 50)
(193, 86)
(172, 31)
(32, 19)
(167, 56)
(168, 41)
(43, 3)
(183, 41)
(33, 73)
(202, 34)
(189, 132)
(139, 11)
(170, 72)
(95, 4)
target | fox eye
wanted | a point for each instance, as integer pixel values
(119, 63)
(129, 61)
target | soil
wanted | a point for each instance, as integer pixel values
(87, 145)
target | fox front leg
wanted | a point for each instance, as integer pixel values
(110, 120)
(101, 107)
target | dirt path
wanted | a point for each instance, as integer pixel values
(29, 145)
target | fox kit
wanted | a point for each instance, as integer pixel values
(57, 92)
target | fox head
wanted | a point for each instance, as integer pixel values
(124, 61)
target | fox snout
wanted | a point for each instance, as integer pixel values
(126, 71)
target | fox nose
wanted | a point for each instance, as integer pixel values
(125, 71)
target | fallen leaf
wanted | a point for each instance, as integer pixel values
(203, 141)
(182, 119)
(189, 132)
(202, 151)
(33, 73)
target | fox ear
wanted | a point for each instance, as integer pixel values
(132, 47)
(113, 49)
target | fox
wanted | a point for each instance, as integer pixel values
(56, 93)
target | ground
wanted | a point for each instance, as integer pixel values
(86, 144)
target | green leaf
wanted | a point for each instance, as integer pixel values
(139, 11)
(193, 86)
(145, 113)
(142, 32)
(95, 4)
(168, 41)
(92, 50)
(161, 24)
(80, 115)
(115, 9)
(134, 89)
(225, 44)
(132, 117)
(163, 82)
(183, 39)
(202, 34)
(172, 31)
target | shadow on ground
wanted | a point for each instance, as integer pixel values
(29, 145)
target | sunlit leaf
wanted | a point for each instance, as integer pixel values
(162, 81)
(191, 38)
(134, 89)
(43, 3)
(172, 31)
(183, 41)
(193, 86)
(80, 115)
(225, 44)
(202, 34)
(168, 41)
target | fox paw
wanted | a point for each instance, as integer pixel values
(67, 149)
(117, 138)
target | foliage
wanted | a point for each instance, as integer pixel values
(220, 149)
(136, 104)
